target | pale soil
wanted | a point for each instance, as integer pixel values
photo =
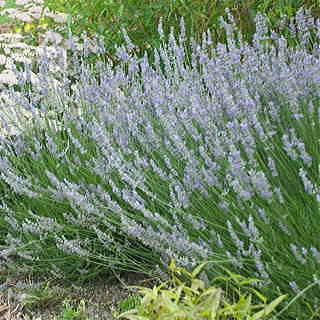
(101, 297)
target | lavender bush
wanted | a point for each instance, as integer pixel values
(209, 157)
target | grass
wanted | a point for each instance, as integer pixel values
(64, 168)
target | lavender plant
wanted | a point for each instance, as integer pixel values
(215, 157)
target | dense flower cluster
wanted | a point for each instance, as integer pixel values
(209, 156)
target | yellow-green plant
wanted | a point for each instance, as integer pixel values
(177, 299)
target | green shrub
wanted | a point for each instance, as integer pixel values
(141, 18)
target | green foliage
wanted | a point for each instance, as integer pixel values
(141, 18)
(71, 313)
(58, 5)
(190, 299)
(129, 303)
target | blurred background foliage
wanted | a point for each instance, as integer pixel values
(141, 18)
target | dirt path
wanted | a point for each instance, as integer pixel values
(101, 297)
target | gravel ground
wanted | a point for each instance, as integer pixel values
(101, 297)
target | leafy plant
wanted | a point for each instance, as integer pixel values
(176, 299)
(71, 313)
(128, 303)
